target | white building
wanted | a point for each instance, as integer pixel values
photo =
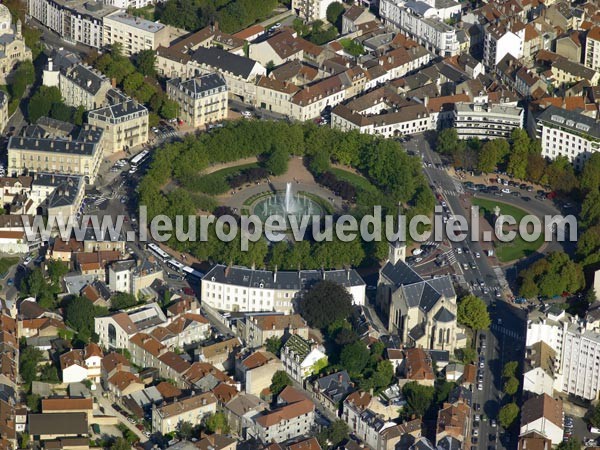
(299, 357)
(487, 120)
(78, 365)
(539, 370)
(423, 23)
(134, 33)
(125, 4)
(498, 41)
(544, 415)
(76, 21)
(568, 133)
(242, 289)
(592, 48)
(311, 10)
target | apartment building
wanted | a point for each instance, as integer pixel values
(545, 416)
(311, 101)
(81, 156)
(240, 73)
(274, 95)
(423, 23)
(202, 100)
(311, 10)
(294, 419)
(134, 33)
(235, 288)
(486, 120)
(576, 346)
(125, 124)
(500, 39)
(193, 409)
(592, 49)
(568, 133)
(76, 21)
(80, 85)
(125, 4)
(12, 46)
(261, 327)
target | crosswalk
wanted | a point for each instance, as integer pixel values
(505, 331)
(450, 192)
(459, 187)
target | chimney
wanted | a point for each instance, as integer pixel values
(50, 64)
(275, 275)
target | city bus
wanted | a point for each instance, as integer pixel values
(158, 252)
(192, 272)
(175, 265)
(137, 159)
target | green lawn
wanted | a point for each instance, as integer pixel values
(358, 181)
(6, 264)
(517, 249)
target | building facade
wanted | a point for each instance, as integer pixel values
(81, 156)
(202, 100)
(81, 85)
(592, 49)
(12, 44)
(568, 133)
(311, 10)
(133, 33)
(487, 120)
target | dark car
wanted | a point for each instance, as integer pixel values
(493, 188)
(526, 199)
(523, 186)
(516, 193)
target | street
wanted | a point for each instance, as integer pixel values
(505, 339)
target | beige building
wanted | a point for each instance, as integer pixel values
(202, 100)
(81, 85)
(592, 49)
(12, 45)
(274, 95)
(311, 10)
(81, 156)
(256, 371)
(259, 328)
(125, 123)
(193, 409)
(134, 33)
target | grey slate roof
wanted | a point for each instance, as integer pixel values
(570, 120)
(224, 60)
(58, 423)
(335, 386)
(86, 78)
(243, 276)
(444, 316)
(113, 113)
(199, 86)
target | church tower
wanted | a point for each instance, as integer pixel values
(397, 252)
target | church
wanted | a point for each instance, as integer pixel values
(12, 44)
(422, 312)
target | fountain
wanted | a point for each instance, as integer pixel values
(286, 204)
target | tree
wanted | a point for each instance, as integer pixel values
(274, 345)
(24, 440)
(133, 82)
(185, 430)
(418, 397)
(354, 357)
(120, 444)
(590, 175)
(334, 14)
(29, 359)
(62, 112)
(33, 402)
(217, 423)
(41, 102)
(510, 369)
(56, 270)
(49, 374)
(473, 313)
(383, 375)
(279, 381)
(324, 303)
(78, 115)
(270, 66)
(169, 109)
(447, 141)
(595, 417)
(571, 444)
(277, 161)
(511, 386)
(508, 414)
(146, 61)
(467, 355)
(80, 315)
(491, 154)
(551, 276)
(345, 336)
(122, 300)
(333, 435)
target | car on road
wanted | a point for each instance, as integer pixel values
(477, 255)
(459, 251)
(480, 386)
(246, 114)
(173, 276)
(473, 265)
(10, 281)
(506, 191)
(27, 260)
(493, 423)
(465, 266)
(526, 199)
(475, 432)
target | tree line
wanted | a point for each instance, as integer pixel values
(397, 179)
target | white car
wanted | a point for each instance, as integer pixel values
(477, 255)
(459, 251)
(480, 387)
(506, 190)
(247, 114)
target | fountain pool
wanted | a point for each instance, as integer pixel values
(286, 204)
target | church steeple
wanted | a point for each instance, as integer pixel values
(397, 252)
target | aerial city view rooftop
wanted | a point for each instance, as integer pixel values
(300, 224)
